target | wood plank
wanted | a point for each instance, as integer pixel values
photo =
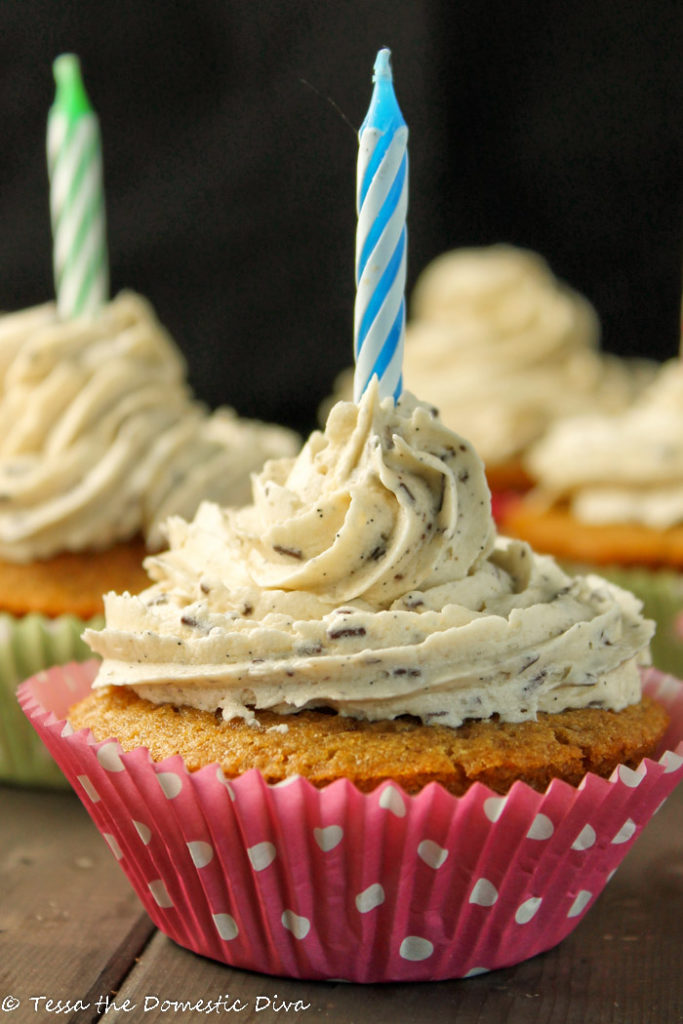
(622, 964)
(69, 921)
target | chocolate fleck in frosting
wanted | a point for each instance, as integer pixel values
(367, 577)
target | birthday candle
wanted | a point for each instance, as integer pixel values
(382, 202)
(74, 159)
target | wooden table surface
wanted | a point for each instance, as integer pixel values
(76, 946)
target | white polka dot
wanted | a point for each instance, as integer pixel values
(580, 903)
(630, 777)
(160, 893)
(89, 788)
(261, 855)
(626, 832)
(109, 757)
(225, 782)
(370, 898)
(474, 971)
(585, 839)
(415, 948)
(484, 893)
(527, 910)
(493, 807)
(226, 926)
(113, 845)
(541, 827)
(201, 853)
(298, 926)
(432, 854)
(68, 729)
(671, 761)
(329, 837)
(143, 831)
(391, 800)
(170, 783)
(611, 875)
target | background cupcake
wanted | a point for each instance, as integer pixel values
(610, 494)
(101, 437)
(100, 440)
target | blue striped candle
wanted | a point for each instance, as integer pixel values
(382, 202)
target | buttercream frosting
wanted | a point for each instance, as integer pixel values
(100, 436)
(367, 576)
(620, 468)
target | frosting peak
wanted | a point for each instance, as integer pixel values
(384, 501)
(100, 436)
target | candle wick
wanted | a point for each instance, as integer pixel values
(382, 68)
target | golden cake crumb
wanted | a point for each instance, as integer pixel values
(72, 582)
(324, 747)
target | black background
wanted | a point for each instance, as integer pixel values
(230, 147)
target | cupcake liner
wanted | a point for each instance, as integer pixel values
(661, 591)
(27, 645)
(336, 884)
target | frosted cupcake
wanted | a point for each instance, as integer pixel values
(100, 440)
(365, 588)
(610, 493)
(504, 349)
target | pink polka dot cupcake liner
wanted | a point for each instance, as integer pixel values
(336, 884)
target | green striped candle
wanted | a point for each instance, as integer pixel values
(74, 157)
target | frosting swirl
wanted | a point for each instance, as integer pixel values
(622, 468)
(367, 577)
(503, 349)
(100, 437)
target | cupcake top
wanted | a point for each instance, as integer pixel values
(367, 577)
(625, 468)
(100, 438)
(503, 349)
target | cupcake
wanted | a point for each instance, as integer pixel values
(348, 731)
(100, 440)
(503, 349)
(609, 494)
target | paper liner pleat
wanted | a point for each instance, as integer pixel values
(333, 883)
(27, 645)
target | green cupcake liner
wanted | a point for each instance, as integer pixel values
(661, 591)
(29, 645)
